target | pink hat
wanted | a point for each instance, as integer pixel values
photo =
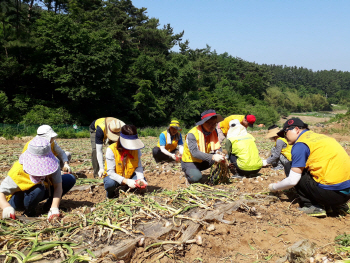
(38, 160)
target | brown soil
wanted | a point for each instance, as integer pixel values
(251, 239)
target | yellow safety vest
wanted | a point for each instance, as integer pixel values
(52, 147)
(102, 124)
(21, 178)
(247, 153)
(130, 166)
(225, 124)
(287, 151)
(211, 145)
(328, 162)
(168, 147)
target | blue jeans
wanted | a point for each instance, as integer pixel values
(111, 185)
(29, 200)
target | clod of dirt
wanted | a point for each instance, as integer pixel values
(300, 251)
(210, 228)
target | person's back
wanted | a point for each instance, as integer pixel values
(244, 148)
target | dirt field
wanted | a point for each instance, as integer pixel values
(258, 235)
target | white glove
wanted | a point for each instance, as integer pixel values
(66, 168)
(130, 183)
(173, 156)
(218, 157)
(8, 212)
(271, 188)
(100, 172)
(54, 212)
(219, 152)
(144, 183)
(264, 163)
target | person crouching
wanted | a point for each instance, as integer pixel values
(123, 162)
(243, 153)
(201, 146)
(32, 179)
(168, 142)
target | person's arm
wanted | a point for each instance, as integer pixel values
(110, 159)
(276, 152)
(57, 195)
(7, 187)
(139, 169)
(61, 155)
(99, 155)
(228, 146)
(289, 182)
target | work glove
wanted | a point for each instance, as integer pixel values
(265, 163)
(173, 156)
(8, 212)
(54, 212)
(100, 172)
(271, 188)
(66, 168)
(131, 183)
(144, 184)
(218, 157)
(219, 152)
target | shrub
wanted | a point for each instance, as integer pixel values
(40, 114)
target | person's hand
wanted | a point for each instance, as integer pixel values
(100, 172)
(218, 157)
(66, 168)
(173, 156)
(141, 183)
(54, 212)
(219, 152)
(265, 163)
(271, 188)
(131, 183)
(8, 212)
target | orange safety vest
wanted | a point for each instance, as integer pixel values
(169, 147)
(207, 146)
(127, 168)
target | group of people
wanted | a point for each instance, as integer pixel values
(316, 165)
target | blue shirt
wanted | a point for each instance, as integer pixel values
(162, 140)
(300, 153)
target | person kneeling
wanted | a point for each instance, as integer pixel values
(243, 153)
(123, 162)
(33, 179)
(167, 143)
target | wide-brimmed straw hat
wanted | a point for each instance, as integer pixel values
(113, 128)
(131, 142)
(206, 115)
(272, 133)
(175, 124)
(38, 159)
(45, 131)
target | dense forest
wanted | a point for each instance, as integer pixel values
(71, 61)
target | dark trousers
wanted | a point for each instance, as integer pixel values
(193, 170)
(29, 200)
(233, 160)
(311, 194)
(94, 161)
(159, 156)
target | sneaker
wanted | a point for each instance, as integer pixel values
(314, 211)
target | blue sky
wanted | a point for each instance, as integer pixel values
(309, 33)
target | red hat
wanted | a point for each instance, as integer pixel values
(250, 119)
